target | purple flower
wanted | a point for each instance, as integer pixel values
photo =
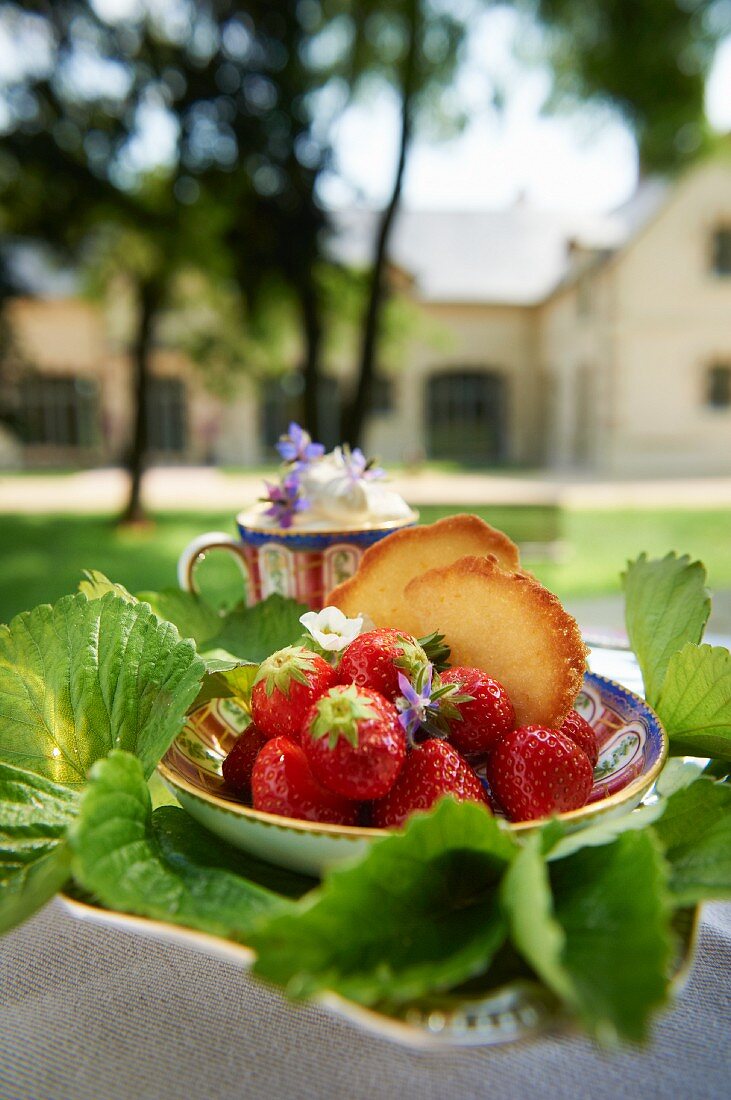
(358, 467)
(285, 499)
(415, 701)
(297, 447)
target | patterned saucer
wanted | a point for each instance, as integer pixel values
(632, 751)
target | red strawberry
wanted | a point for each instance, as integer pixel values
(374, 660)
(285, 687)
(485, 718)
(578, 730)
(354, 741)
(282, 783)
(238, 765)
(431, 770)
(534, 772)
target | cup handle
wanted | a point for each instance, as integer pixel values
(199, 547)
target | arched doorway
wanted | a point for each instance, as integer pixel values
(466, 416)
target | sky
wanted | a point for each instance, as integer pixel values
(587, 162)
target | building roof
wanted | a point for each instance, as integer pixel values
(517, 256)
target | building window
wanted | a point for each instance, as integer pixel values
(718, 386)
(382, 397)
(167, 417)
(59, 411)
(722, 251)
(466, 416)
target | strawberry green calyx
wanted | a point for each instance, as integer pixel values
(278, 671)
(339, 711)
(413, 659)
(436, 650)
(447, 697)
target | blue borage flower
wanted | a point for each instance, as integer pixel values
(358, 467)
(285, 499)
(428, 704)
(297, 447)
(414, 701)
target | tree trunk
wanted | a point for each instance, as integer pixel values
(150, 296)
(312, 333)
(358, 407)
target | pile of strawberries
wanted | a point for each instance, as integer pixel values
(382, 734)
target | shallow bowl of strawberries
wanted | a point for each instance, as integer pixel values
(334, 749)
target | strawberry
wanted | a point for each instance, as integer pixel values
(534, 772)
(354, 741)
(285, 687)
(578, 730)
(282, 783)
(238, 765)
(431, 770)
(374, 660)
(482, 719)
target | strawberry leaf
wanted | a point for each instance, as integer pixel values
(595, 927)
(133, 860)
(666, 605)
(418, 913)
(695, 830)
(193, 617)
(695, 702)
(85, 676)
(253, 633)
(34, 859)
(612, 906)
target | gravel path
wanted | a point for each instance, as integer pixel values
(209, 489)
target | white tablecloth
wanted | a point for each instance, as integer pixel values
(92, 1013)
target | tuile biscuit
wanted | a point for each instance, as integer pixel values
(510, 626)
(386, 568)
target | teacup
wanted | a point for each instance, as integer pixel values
(303, 564)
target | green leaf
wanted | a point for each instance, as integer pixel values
(695, 702)
(180, 839)
(254, 633)
(595, 928)
(95, 585)
(528, 904)
(666, 605)
(161, 864)
(193, 617)
(605, 830)
(226, 679)
(419, 913)
(676, 775)
(695, 830)
(85, 676)
(612, 905)
(34, 860)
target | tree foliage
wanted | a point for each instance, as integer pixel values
(648, 59)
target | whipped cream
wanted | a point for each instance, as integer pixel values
(337, 500)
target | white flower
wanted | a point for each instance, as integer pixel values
(331, 628)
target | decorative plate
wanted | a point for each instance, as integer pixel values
(503, 1014)
(632, 751)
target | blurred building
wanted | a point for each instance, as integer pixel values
(543, 340)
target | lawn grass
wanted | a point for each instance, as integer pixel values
(41, 557)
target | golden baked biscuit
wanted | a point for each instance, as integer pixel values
(387, 567)
(509, 625)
